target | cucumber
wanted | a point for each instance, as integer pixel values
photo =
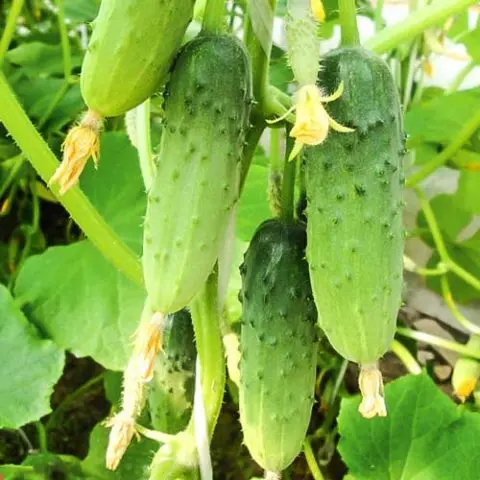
(278, 345)
(207, 107)
(130, 52)
(466, 372)
(171, 390)
(354, 187)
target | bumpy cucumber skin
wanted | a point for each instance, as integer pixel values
(172, 388)
(278, 345)
(354, 196)
(130, 52)
(207, 108)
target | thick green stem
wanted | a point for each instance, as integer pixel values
(379, 16)
(259, 54)
(214, 16)
(288, 184)
(348, 22)
(406, 357)
(442, 158)
(252, 140)
(312, 461)
(415, 24)
(9, 30)
(76, 203)
(208, 339)
(438, 342)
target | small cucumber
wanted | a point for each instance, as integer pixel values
(130, 52)
(172, 387)
(354, 184)
(278, 345)
(207, 108)
(466, 371)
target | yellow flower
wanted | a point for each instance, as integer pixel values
(82, 142)
(312, 121)
(121, 434)
(318, 10)
(148, 341)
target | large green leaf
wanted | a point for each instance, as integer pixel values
(84, 11)
(30, 367)
(82, 302)
(424, 437)
(440, 119)
(468, 192)
(134, 465)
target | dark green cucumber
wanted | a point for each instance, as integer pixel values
(354, 187)
(278, 345)
(172, 388)
(207, 108)
(130, 52)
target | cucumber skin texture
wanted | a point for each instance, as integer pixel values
(354, 208)
(172, 388)
(130, 52)
(278, 345)
(207, 109)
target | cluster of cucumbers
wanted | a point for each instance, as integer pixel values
(338, 273)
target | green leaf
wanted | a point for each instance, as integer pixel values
(471, 40)
(134, 465)
(41, 58)
(116, 188)
(440, 119)
(424, 437)
(253, 208)
(80, 12)
(281, 74)
(83, 303)
(30, 367)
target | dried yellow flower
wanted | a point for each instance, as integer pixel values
(123, 430)
(371, 387)
(82, 142)
(148, 341)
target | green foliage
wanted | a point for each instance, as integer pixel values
(25, 392)
(424, 437)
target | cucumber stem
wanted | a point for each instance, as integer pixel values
(416, 23)
(312, 461)
(406, 357)
(438, 342)
(348, 22)
(65, 42)
(288, 184)
(75, 201)
(214, 16)
(9, 30)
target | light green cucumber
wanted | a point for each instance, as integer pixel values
(278, 345)
(207, 107)
(354, 184)
(130, 52)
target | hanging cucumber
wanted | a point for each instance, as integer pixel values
(128, 57)
(207, 106)
(355, 236)
(278, 345)
(171, 391)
